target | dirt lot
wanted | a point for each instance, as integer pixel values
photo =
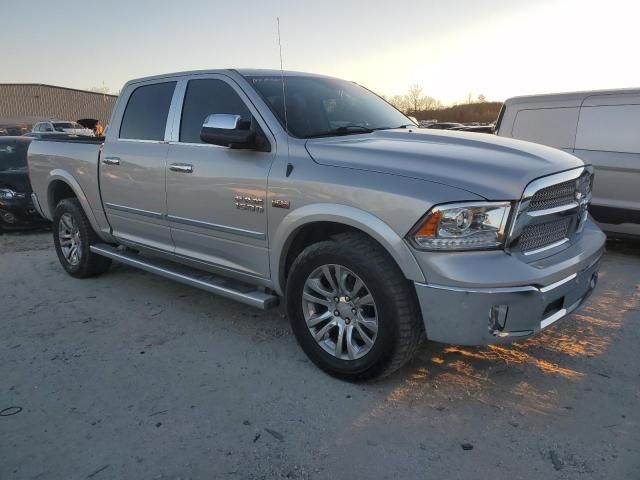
(130, 376)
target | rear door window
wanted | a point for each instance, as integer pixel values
(145, 117)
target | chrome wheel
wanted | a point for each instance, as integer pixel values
(340, 312)
(69, 238)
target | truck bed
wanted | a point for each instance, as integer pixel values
(73, 160)
(71, 139)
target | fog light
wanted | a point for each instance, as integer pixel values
(8, 217)
(498, 318)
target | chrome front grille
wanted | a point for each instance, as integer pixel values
(554, 196)
(542, 235)
(552, 211)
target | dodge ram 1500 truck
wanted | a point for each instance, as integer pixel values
(259, 185)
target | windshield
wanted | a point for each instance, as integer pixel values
(62, 126)
(319, 106)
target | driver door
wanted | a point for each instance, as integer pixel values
(204, 183)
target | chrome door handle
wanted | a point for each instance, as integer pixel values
(181, 167)
(111, 160)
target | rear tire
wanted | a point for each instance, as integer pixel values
(373, 305)
(73, 237)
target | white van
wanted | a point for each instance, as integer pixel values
(603, 129)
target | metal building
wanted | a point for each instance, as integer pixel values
(27, 103)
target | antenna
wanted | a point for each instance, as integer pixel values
(284, 90)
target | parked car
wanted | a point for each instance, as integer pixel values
(374, 233)
(60, 126)
(600, 127)
(16, 207)
(13, 130)
(444, 125)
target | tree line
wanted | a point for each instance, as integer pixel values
(424, 107)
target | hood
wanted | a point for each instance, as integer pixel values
(493, 167)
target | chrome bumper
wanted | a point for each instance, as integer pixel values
(481, 316)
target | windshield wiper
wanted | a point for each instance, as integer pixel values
(393, 128)
(344, 130)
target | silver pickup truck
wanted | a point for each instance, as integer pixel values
(260, 185)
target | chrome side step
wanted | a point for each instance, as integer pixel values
(241, 292)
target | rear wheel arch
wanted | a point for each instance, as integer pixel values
(73, 236)
(58, 191)
(61, 186)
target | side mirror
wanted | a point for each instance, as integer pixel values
(228, 130)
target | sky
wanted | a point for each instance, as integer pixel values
(497, 48)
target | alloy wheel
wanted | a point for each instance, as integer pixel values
(69, 237)
(340, 312)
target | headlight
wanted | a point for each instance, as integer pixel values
(7, 194)
(462, 226)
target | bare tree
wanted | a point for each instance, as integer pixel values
(414, 101)
(482, 98)
(400, 102)
(430, 103)
(469, 100)
(415, 98)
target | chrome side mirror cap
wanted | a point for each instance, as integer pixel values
(223, 121)
(228, 130)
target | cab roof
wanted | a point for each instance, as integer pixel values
(245, 72)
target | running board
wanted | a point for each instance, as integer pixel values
(234, 290)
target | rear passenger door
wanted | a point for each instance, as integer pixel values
(133, 166)
(204, 212)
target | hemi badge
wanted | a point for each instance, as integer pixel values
(281, 204)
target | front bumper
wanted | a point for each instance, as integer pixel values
(19, 211)
(481, 315)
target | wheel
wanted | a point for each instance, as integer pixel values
(352, 310)
(72, 236)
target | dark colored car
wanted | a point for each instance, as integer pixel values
(16, 208)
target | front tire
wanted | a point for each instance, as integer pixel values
(73, 237)
(352, 310)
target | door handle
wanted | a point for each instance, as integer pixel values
(111, 160)
(181, 167)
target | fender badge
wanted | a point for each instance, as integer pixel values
(281, 204)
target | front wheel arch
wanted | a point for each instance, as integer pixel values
(326, 220)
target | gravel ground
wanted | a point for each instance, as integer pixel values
(129, 375)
